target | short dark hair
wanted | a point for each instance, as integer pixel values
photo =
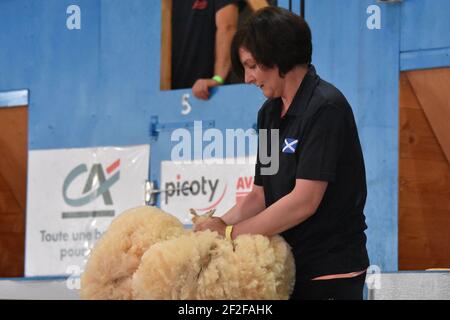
(275, 37)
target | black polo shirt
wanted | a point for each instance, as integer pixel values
(319, 141)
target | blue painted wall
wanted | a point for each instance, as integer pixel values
(425, 34)
(87, 87)
(99, 86)
(425, 25)
(363, 64)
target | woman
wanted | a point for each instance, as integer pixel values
(316, 199)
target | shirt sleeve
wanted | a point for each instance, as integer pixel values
(321, 148)
(257, 179)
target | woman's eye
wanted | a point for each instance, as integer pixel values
(252, 66)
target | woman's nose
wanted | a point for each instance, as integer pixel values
(249, 78)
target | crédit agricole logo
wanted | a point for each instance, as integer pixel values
(98, 184)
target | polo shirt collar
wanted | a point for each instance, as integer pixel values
(301, 99)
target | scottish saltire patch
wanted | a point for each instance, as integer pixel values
(289, 145)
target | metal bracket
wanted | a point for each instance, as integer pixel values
(156, 127)
(150, 199)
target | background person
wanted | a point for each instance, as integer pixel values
(202, 31)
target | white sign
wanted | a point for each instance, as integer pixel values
(73, 195)
(203, 186)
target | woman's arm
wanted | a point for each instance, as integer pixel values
(291, 210)
(250, 206)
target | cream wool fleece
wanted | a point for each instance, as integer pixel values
(146, 254)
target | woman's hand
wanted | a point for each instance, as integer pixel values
(213, 224)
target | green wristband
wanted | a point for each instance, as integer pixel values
(218, 79)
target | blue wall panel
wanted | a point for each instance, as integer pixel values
(364, 65)
(129, 68)
(425, 34)
(425, 59)
(425, 24)
(88, 87)
(57, 65)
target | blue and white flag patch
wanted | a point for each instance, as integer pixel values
(289, 145)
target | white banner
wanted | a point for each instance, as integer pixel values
(73, 195)
(204, 186)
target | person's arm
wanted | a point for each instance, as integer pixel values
(226, 25)
(294, 208)
(251, 205)
(289, 211)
